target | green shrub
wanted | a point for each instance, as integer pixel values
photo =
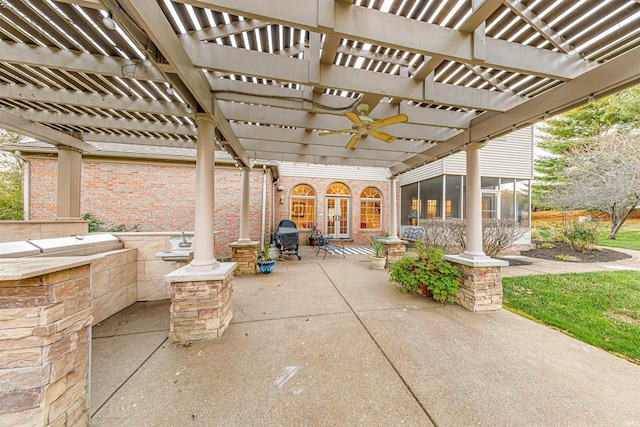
(97, 226)
(547, 231)
(428, 268)
(582, 236)
(564, 257)
(547, 246)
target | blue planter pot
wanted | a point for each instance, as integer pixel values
(266, 267)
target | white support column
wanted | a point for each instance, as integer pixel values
(203, 254)
(473, 233)
(244, 209)
(69, 182)
(393, 210)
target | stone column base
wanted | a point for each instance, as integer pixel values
(200, 303)
(481, 283)
(246, 256)
(394, 249)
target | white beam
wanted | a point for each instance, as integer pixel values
(233, 28)
(379, 28)
(107, 122)
(215, 57)
(305, 138)
(277, 147)
(610, 77)
(302, 119)
(71, 60)
(538, 25)
(480, 14)
(90, 100)
(27, 127)
(154, 22)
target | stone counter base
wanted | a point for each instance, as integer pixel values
(44, 349)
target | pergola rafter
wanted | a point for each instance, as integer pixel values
(273, 76)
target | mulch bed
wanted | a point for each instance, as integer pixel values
(561, 248)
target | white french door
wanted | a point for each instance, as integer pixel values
(338, 217)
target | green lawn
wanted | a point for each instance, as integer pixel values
(602, 309)
(626, 238)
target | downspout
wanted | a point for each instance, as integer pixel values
(26, 184)
(264, 204)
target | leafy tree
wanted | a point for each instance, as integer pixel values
(580, 128)
(10, 180)
(603, 176)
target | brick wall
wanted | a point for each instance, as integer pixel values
(320, 185)
(160, 197)
(156, 196)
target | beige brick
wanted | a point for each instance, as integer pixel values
(24, 296)
(67, 400)
(100, 284)
(52, 313)
(26, 314)
(61, 421)
(20, 358)
(70, 288)
(55, 390)
(20, 400)
(23, 378)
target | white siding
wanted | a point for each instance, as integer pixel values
(333, 171)
(510, 157)
(419, 174)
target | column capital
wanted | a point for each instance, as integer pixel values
(62, 147)
(205, 118)
(475, 145)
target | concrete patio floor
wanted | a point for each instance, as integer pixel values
(331, 342)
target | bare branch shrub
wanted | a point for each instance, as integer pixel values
(446, 235)
(449, 235)
(498, 235)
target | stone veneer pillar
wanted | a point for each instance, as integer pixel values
(394, 250)
(246, 256)
(481, 283)
(200, 303)
(44, 347)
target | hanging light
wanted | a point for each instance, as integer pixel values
(187, 108)
(170, 90)
(147, 62)
(109, 22)
(592, 98)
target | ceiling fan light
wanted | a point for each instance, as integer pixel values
(109, 22)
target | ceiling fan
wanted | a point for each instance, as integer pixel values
(364, 125)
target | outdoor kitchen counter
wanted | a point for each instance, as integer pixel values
(24, 268)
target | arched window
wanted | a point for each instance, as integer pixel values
(303, 206)
(338, 189)
(370, 202)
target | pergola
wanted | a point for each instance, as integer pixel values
(265, 78)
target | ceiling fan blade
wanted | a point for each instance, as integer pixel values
(399, 118)
(333, 132)
(353, 117)
(382, 135)
(353, 141)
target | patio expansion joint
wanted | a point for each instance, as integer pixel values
(384, 354)
(130, 333)
(306, 316)
(129, 377)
